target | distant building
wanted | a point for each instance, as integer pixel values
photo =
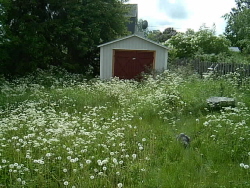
(133, 17)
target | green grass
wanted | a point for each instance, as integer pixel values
(59, 130)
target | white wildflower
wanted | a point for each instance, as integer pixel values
(66, 183)
(115, 161)
(134, 156)
(99, 162)
(48, 154)
(65, 170)
(119, 185)
(246, 166)
(140, 148)
(88, 161)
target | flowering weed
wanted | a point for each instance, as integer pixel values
(60, 130)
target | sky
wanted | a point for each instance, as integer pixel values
(184, 14)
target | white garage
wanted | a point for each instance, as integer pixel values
(127, 57)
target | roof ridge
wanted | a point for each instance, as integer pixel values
(133, 35)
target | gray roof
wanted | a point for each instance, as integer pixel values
(133, 10)
(130, 36)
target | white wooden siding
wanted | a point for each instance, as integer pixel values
(132, 43)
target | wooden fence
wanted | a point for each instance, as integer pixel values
(202, 67)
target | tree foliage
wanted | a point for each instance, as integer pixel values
(238, 25)
(56, 32)
(204, 41)
(162, 37)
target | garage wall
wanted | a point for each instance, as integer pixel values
(132, 43)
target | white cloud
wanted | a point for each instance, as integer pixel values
(183, 14)
(174, 9)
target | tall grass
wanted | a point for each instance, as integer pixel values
(59, 130)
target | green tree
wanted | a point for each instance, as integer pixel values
(52, 32)
(154, 35)
(238, 25)
(204, 41)
(162, 37)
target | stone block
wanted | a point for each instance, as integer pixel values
(219, 102)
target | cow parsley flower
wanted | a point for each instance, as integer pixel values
(242, 165)
(88, 161)
(134, 156)
(115, 161)
(119, 185)
(48, 154)
(65, 170)
(140, 148)
(66, 183)
(246, 166)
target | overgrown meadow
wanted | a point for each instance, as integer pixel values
(60, 130)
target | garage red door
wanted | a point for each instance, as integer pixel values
(129, 64)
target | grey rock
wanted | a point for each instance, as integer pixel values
(184, 139)
(219, 102)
